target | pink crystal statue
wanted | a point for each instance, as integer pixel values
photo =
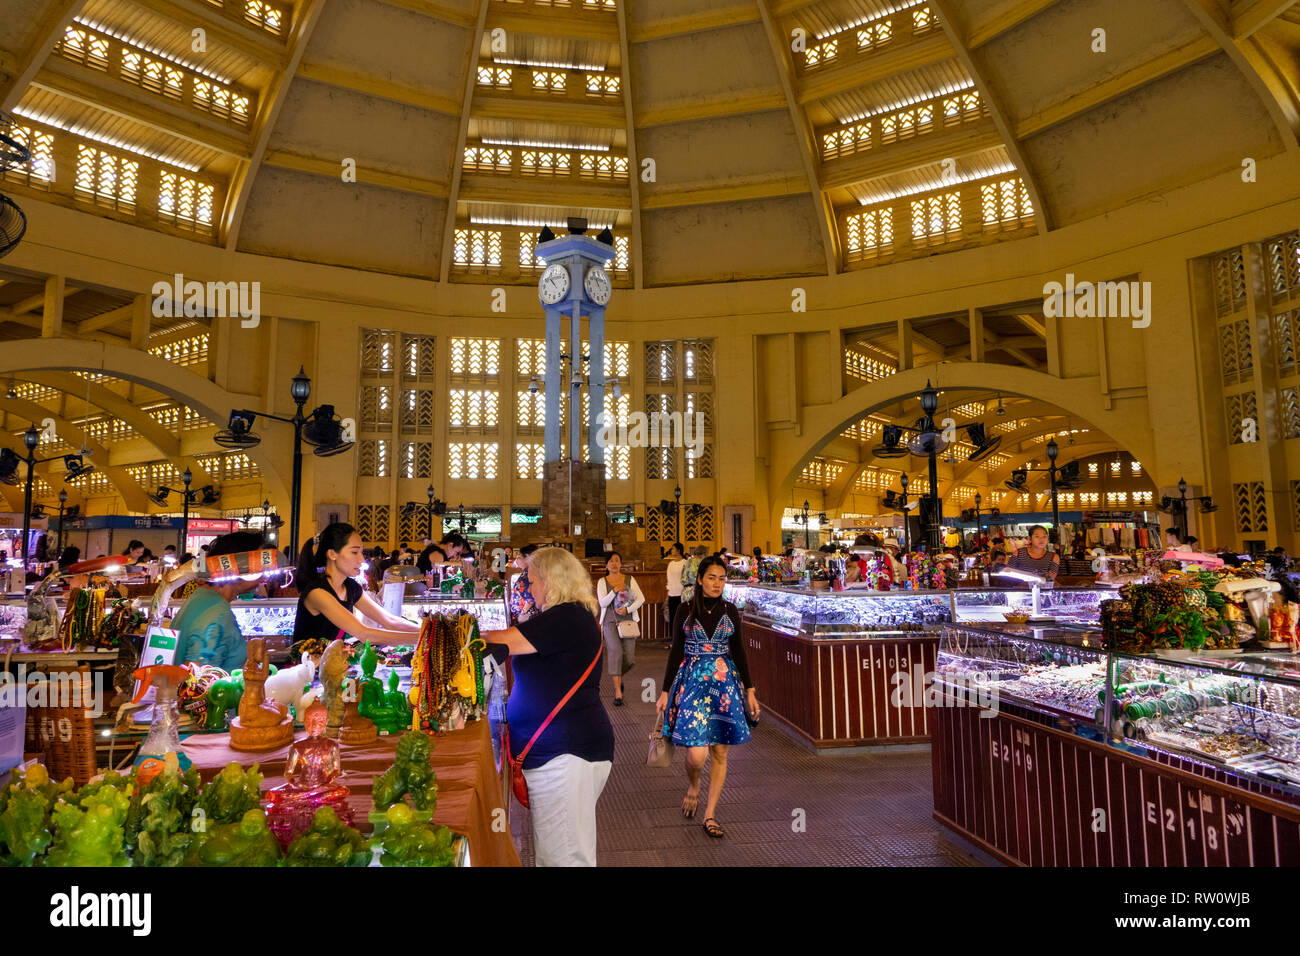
(313, 765)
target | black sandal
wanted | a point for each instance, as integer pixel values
(712, 829)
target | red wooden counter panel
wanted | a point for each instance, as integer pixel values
(1035, 795)
(843, 692)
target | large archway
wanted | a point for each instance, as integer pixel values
(56, 355)
(1124, 423)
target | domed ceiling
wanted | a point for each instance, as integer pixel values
(720, 139)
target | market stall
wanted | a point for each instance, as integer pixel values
(1170, 735)
(851, 668)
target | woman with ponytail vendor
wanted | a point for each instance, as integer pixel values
(328, 597)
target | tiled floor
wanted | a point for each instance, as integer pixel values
(858, 810)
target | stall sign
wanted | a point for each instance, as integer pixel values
(1112, 516)
(210, 524)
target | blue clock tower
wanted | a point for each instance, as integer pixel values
(574, 284)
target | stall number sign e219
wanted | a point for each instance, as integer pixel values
(159, 648)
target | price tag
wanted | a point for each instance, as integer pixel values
(159, 648)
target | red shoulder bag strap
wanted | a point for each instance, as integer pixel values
(519, 757)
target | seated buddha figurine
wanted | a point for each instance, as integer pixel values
(262, 724)
(309, 776)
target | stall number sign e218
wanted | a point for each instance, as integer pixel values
(159, 648)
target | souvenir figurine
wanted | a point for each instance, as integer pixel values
(291, 687)
(333, 671)
(262, 724)
(312, 768)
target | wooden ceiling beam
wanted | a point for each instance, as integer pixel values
(365, 174)
(686, 24)
(858, 71)
(19, 70)
(704, 192)
(439, 11)
(358, 82)
(1005, 18)
(1252, 15)
(249, 40)
(123, 100)
(563, 112)
(543, 192)
(555, 22)
(1116, 86)
(925, 150)
(104, 319)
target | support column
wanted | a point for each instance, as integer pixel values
(575, 369)
(554, 346)
(52, 311)
(596, 335)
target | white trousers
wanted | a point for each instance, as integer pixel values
(562, 795)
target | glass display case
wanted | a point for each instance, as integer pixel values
(1234, 717)
(820, 614)
(490, 611)
(1065, 604)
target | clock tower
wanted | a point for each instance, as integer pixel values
(574, 284)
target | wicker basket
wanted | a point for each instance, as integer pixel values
(65, 733)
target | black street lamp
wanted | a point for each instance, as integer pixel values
(9, 462)
(928, 441)
(187, 476)
(1177, 507)
(1064, 477)
(677, 510)
(978, 529)
(319, 429)
(428, 527)
(899, 503)
(63, 500)
(803, 520)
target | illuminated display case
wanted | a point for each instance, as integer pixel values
(1185, 760)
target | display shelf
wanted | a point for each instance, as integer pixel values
(1193, 754)
(854, 613)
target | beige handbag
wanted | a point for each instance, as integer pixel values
(661, 749)
(629, 628)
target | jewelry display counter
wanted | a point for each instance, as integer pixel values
(1049, 749)
(848, 668)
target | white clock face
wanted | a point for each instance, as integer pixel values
(554, 284)
(597, 285)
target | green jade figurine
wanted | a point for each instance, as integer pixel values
(387, 709)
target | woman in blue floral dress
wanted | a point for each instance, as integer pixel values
(709, 689)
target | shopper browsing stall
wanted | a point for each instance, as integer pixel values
(709, 690)
(673, 575)
(620, 599)
(328, 595)
(566, 761)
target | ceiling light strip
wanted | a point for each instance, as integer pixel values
(875, 18)
(910, 101)
(104, 140)
(546, 64)
(526, 144)
(136, 44)
(532, 222)
(933, 187)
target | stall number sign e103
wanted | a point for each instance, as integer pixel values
(159, 648)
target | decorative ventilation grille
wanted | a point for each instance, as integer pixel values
(868, 234)
(864, 429)
(866, 367)
(1238, 409)
(472, 459)
(106, 179)
(1229, 271)
(1282, 260)
(1295, 503)
(660, 463)
(372, 524)
(376, 408)
(378, 351)
(373, 458)
(701, 466)
(467, 409)
(1286, 338)
(1005, 202)
(185, 352)
(1291, 414)
(529, 459)
(417, 410)
(530, 358)
(819, 473)
(659, 526)
(1236, 355)
(417, 459)
(418, 357)
(475, 359)
(699, 523)
(660, 362)
(697, 361)
(936, 218)
(1250, 506)
(184, 202)
(39, 168)
(618, 464)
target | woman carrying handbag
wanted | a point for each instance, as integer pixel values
(710, 702)
(559, 733)
(620, 600)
